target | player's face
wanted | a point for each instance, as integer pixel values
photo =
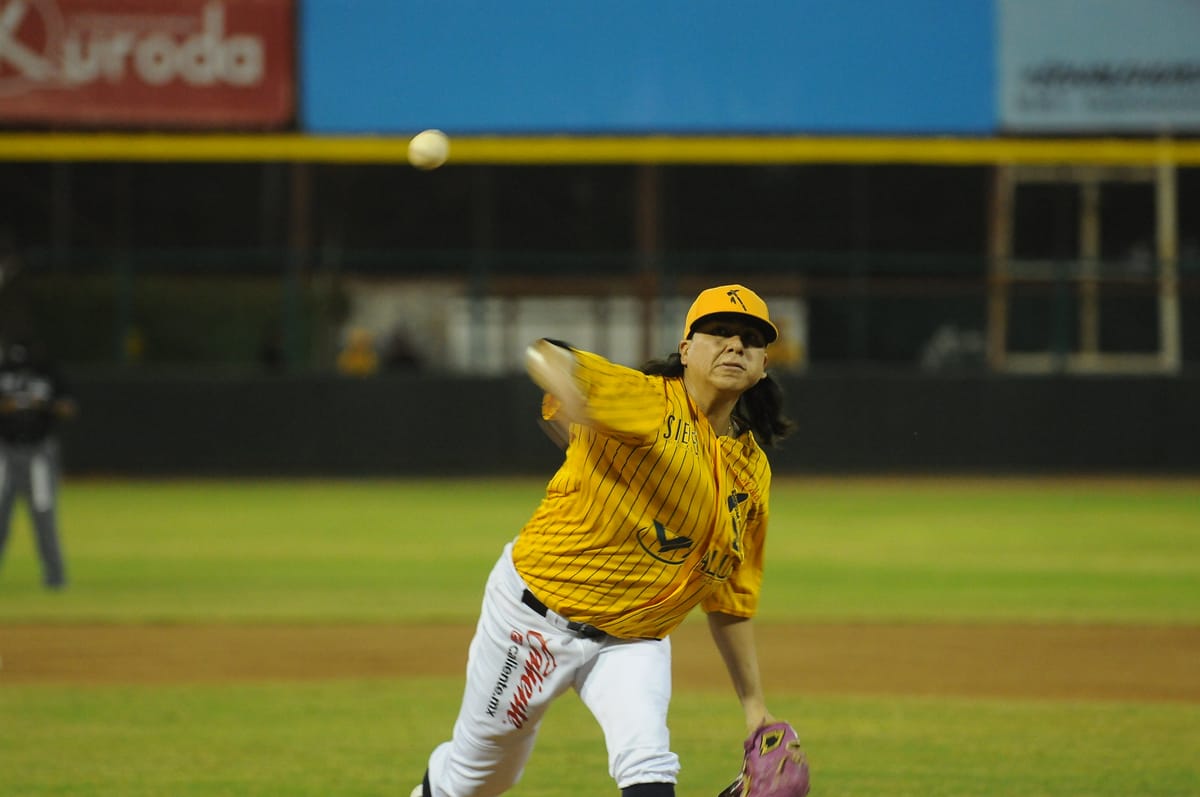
(726, 351)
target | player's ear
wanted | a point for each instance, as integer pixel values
(684, 345)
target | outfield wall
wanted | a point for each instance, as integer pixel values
(414, 424)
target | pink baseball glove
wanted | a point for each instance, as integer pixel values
(774, 765)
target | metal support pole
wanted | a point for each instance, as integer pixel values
(299, 252)
(647, 236)
(1089, 265)
(1000, 230)
(1167, 234)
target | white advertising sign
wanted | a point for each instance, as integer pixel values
(1099, 66)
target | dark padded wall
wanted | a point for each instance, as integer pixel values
(419, 424)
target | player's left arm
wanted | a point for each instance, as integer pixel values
(729, 620)
(734, 638)
(731, 608)
(63, 405)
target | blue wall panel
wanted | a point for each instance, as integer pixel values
(648, 66)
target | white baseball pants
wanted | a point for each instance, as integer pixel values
(518, 663)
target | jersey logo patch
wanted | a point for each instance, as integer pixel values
(735, 516)
(664, 546)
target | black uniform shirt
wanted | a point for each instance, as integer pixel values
(33, 389)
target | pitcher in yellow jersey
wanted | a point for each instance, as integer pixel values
(660, 506)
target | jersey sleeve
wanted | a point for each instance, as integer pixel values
(739, 595)
(621, 402)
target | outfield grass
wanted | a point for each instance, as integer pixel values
(904, 550)
(363, 738)
(907, 550)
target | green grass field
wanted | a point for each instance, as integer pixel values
(370, 738)
(912, 551)
(905, 550)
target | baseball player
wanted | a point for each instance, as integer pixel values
(32, 400)
(660, 506)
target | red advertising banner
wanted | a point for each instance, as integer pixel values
(147, 63)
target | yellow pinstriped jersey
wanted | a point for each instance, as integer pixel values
(651, 514)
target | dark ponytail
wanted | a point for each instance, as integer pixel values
(759, 409)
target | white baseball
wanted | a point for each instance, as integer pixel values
(428, 149)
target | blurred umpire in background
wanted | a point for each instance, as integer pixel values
(33, 399)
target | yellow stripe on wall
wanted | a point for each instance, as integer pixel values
(596, 150)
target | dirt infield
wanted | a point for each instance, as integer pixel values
(1040, 662)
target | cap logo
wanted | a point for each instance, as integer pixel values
(735, 299)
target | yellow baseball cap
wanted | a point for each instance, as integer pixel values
(731, 299)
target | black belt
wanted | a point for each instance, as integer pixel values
(583, 629)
